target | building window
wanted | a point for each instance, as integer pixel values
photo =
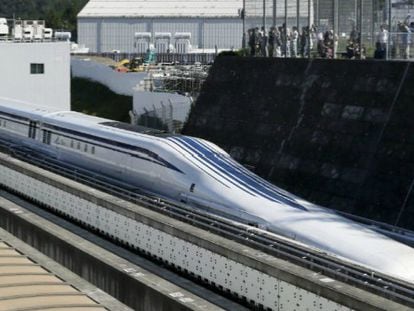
(37, 68)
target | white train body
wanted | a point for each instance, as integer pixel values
(189, 169)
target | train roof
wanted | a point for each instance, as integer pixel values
(80, 122)
(74, 120)
(24, 109)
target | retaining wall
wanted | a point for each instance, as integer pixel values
(336, 132)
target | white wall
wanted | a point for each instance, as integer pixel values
(51, 89)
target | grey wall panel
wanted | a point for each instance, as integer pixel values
(224, 33)
(87, 33)
(118, 34)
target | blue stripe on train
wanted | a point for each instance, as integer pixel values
(210, 157)
(213, 168)
(206, 158)
(288, 196)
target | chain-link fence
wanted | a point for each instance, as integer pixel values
(350, 29)
(169, 118)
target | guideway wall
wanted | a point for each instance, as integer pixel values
(265, 281)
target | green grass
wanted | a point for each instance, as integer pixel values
(96, 99)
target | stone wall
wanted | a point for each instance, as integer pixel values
(338, 133)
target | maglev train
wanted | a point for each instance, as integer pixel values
(195, 171)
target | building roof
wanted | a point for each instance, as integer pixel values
(161, 8)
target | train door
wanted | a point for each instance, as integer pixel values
(32, 129)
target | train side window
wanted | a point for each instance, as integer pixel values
(93, 149)
(79, 145)
(71, 143)
(47, 135)
(192, 187)
(32, 129)
(85, 148)
(44, 137)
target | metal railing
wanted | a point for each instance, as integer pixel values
(343, 18)
(172, 58)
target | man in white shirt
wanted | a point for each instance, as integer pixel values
(381, 44)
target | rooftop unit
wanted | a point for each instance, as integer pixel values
(182, 42)
(63, 35)
(142, 41)
(4, 28)
(162, 42)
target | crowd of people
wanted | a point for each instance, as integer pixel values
(285, 42)
(309, 41)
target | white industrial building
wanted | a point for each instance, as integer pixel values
(104, 25)
(173, 25)
(36, 73)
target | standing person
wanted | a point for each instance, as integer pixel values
(294, 42)
(335, 40)
(263, 42)
(405, 40)
(307, 40)
(320, 44)
(303, 41)
(278, 42)
(328, 45)
(381, 43)
(271, 41)
(257, 37)
(285, 38)
(251, 42)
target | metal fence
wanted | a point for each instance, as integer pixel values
(349, 28)
(183, 59)
(169, 117)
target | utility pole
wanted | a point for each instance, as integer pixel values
(298, 15)
(360, 14)
(389, 30)
(309, 28)
(286, 26)
(243, 16)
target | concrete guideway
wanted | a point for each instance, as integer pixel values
(263, 279)
(29, 278)
(149, 291)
